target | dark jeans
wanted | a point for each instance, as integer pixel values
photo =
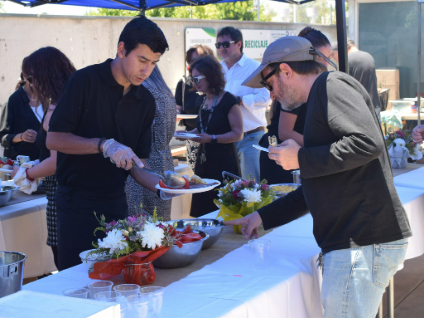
(76, 222)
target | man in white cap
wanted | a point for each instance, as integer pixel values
(347, 183)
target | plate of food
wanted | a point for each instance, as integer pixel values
(6, 164)
(282, 189)
(187, 116)
(195, 184)
(185, 135)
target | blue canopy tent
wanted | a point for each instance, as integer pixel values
(143, 5)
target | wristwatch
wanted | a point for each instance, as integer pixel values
(214, 140)
(238, 100)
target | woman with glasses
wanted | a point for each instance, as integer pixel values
(41, 67)
(20, 119)
(289, 124)
(186, 96)
(218, 126)
(160, 158)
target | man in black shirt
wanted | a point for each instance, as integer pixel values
(362, 68)
(347, 182)
(100, 128)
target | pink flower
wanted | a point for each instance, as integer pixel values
(246, 183)
(400, 133)
(132, 219)
(264, 187)
(235, 194)
(111, 223)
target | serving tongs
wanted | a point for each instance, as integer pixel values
(224, 173)
(171, 179)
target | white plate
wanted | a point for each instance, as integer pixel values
(188, 191)
(185, 136)
(186, 116)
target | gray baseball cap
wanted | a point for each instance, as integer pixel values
(285, 49)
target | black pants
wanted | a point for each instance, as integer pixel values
(76, 221)
(271, 171)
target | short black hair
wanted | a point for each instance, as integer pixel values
(316, 37)
(141, 30)
(233, 33)
(212, 70)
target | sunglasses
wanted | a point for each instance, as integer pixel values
(264, 80)
(225, 44)
(196, 80)
(29, 79)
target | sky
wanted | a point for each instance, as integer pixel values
(51, 9)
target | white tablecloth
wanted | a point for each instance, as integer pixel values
(23, 228)
(231, 287)
(412, 179)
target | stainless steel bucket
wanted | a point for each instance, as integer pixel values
(296, 176)
(11, 272)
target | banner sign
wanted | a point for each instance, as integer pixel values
(203, 36)
(255, 42)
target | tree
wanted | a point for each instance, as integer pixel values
(326, 12)
(242, 11)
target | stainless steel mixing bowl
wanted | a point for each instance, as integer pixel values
(179, 257)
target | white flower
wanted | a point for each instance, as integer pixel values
(114, 240)
(220, 193)
(251, 195)
(257, 186)
(151, 236)
(238, 183)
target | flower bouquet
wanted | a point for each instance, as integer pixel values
(131, 245)
(401, 146)
(240, 198)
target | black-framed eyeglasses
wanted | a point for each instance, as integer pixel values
(225, 44)
(196, 79)
(264, 80)
(29, 79)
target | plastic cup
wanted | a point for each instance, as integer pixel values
(98, 287)
(127, 289)
(76, 292)
(136, 306)
(154, 296)
(259, 249)
(109, 296)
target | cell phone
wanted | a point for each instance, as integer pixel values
(260, 148)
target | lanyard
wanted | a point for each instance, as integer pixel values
(210, 114)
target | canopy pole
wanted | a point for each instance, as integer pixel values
(341, 35)
(126, 4)
(419, 66)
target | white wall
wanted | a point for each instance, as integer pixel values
(89, 40)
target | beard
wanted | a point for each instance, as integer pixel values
(287, 97)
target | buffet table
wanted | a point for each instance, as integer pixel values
(229, 286)
(223, 283)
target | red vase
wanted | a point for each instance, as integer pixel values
(140, 274)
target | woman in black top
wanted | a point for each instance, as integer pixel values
(20, 119)
(43, 65)
(186, 96)
(289, 124)
(219, 126)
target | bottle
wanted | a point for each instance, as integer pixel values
(414, 107)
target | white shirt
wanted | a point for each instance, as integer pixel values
(38, 112)
(255, 100)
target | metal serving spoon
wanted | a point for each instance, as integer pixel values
(171, 179)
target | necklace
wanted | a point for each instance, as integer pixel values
(204, 130)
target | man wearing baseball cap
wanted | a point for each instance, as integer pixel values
(347, 183)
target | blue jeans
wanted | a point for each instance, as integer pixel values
(249, 156)
(355, 279)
